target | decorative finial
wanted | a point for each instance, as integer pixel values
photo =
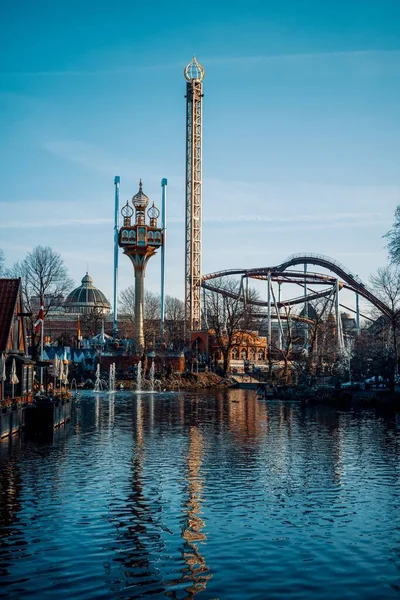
(153, 212)
(127, 211)
(140, 200)
(194, 71)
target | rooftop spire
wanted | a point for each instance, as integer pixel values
(194, 71)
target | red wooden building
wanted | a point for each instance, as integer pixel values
(13, 347)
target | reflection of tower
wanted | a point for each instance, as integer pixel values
(197, 573)
(194, 74)
(140, 241)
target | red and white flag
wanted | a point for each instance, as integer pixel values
(40, 318)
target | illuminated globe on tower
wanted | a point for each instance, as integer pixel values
(139, 241)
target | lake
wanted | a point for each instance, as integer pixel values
(215, 494)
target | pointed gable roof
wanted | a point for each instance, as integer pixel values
(9, 292)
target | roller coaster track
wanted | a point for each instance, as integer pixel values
(351, 281)
(238, 296)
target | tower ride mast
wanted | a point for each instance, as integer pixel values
(194, 74)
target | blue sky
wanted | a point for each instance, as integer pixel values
(301, 128)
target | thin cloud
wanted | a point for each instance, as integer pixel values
(303, 56)
(85, 154)
(92, 72)
(93, 158)
(245, 60)
(325, 217)
(316, 226)
(332, 219)
(53, 223)
(324, 221)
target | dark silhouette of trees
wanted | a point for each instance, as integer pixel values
(394, 238)
(2, 262)
(43, 276)
(174, 315)
(229, 316)
(91, 322)
(174, 322)
(386, 284)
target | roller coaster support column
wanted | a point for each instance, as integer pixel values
(205, 309)
(269, 328)
(280, 330)
(163, 249)
(305, 308)
(280, 324)
(337, 317)
(357, 313)
(115, 291)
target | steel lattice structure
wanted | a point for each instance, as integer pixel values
(349, 280)
(282, 274)
(194, 74)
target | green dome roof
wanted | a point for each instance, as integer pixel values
(86, 297)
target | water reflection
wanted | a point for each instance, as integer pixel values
(10, 504)
(172, 495)
(136, 517)
(196, 572)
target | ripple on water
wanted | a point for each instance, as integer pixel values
(173, 495)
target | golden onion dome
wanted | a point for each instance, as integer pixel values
(140, 200)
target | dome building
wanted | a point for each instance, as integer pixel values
(85, 298)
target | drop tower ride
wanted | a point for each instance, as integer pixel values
(194, 75)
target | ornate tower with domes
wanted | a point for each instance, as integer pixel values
(194, 75)
(139, 241)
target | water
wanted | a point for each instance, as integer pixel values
(139, 377)
(111, 378)
(74, 387)
(100, 384)
(152, 372)
(170, 495)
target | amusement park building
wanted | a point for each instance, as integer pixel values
(85, 303)
(13, 346)
(247, 345)
(86, 298)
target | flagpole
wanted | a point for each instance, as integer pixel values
(40, 323)
(41, 351)
(3, 372)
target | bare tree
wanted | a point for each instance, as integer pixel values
(285, 350)
(127, 303)
(151, 304)
(152, 312)
(372, 356)
(91, 322)
(2, 262)
(174, 322)
(394, 238)
(386, 283)
(44, 276)
(229, 315)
